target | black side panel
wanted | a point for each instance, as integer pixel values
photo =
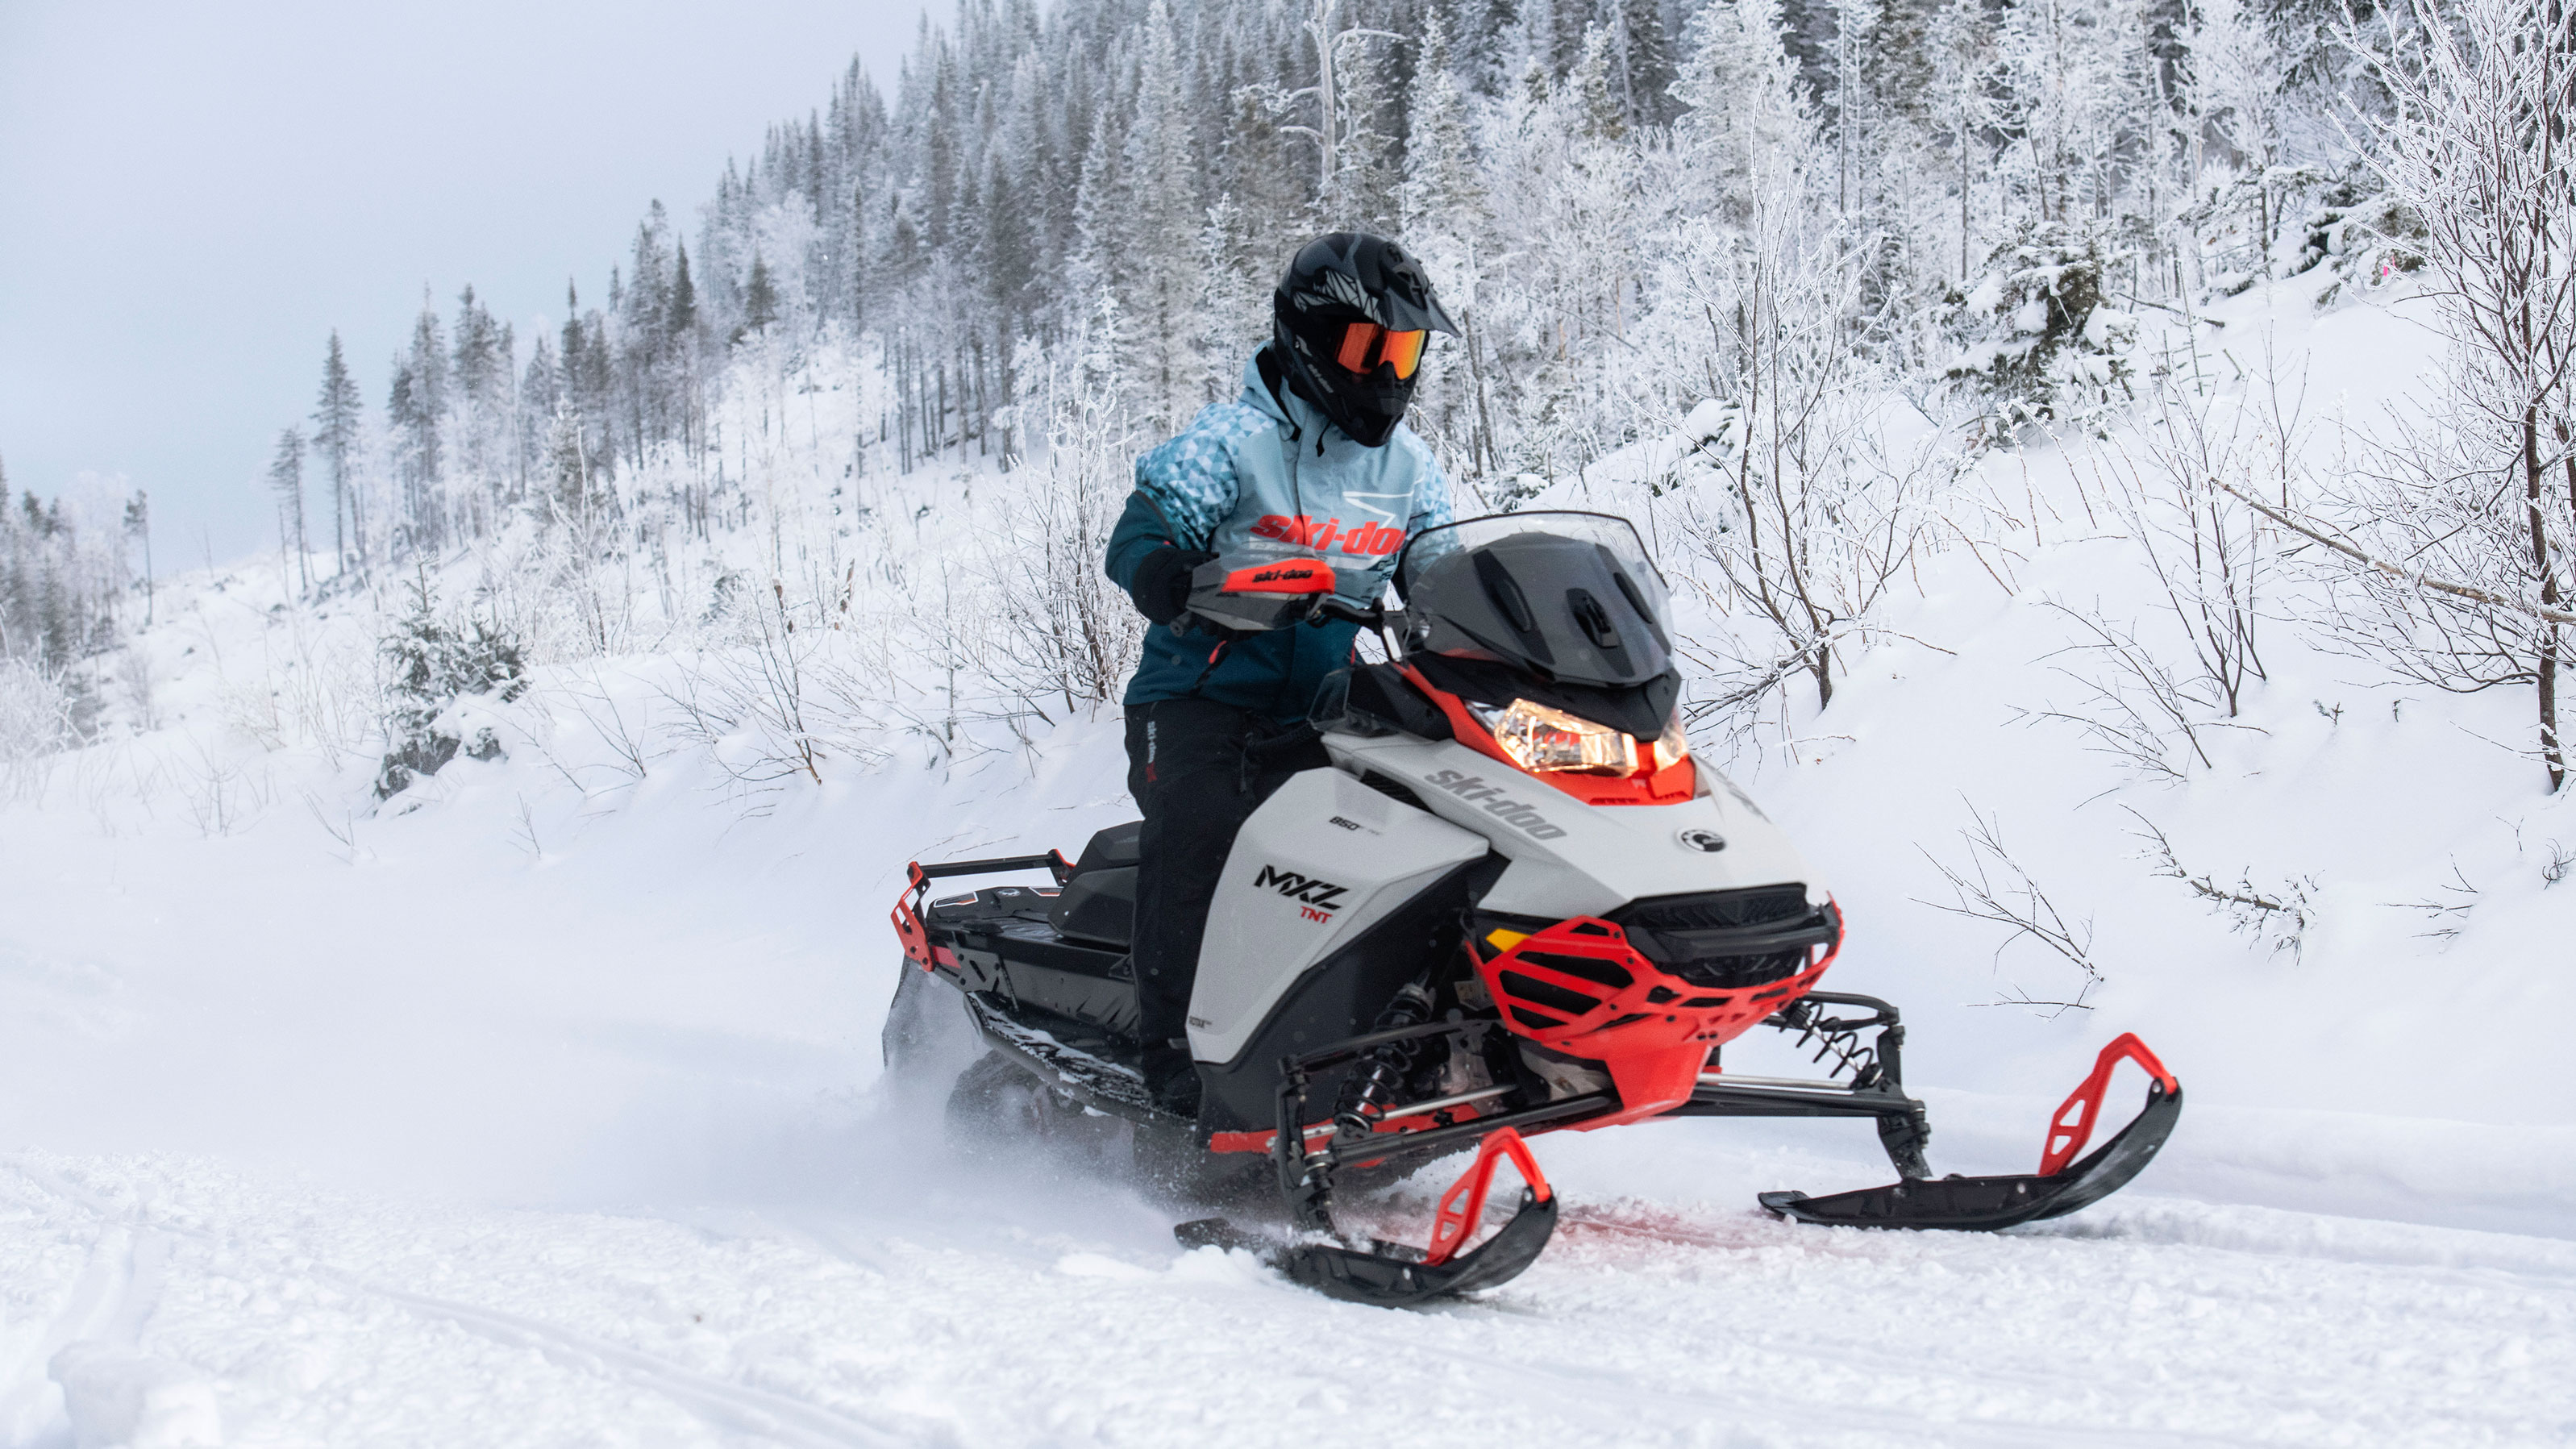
(1376, 700)
(1340, 998)
(1098, 906)
(1107, 1002)
(1027, 964)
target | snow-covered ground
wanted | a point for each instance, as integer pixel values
(542, 1106)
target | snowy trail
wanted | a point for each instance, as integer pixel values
(330, 1318)
(645, 1190)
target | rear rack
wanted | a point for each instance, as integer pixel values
(1053, 862)
(907, 906)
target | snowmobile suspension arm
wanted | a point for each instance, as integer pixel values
(1307, 1177)
(1873, 1088)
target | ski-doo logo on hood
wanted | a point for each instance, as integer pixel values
(1317, 899)
(1473, 787)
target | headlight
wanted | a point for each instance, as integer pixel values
(1540, 740)
(1672, 746)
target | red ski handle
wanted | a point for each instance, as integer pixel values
(2066, 1138)
(1456, 1219)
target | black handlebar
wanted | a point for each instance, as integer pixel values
(1334, 606)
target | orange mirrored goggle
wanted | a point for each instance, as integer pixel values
(1366, 344)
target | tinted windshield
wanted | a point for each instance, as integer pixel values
(1569, 596)
(1608, 530)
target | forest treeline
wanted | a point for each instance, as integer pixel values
(1777, 273)
(1133, 175)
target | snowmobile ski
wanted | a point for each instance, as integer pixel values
(1985, 1204)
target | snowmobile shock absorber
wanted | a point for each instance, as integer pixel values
(1305, 1179)
(1366, 1092)
(1877, 1065)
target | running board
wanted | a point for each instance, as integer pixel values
(1985, 1204)
(1102, 1085)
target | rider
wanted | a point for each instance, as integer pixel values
(1312, 461)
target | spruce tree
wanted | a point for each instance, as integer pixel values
(680, 318)
(286, 479)
(138, 526)
(1161, 275)
(335, 438)
(759, 299)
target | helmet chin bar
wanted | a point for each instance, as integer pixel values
(1366, 407)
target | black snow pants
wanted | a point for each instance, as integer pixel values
(1197, 771)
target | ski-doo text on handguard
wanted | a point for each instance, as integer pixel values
(1511, 904)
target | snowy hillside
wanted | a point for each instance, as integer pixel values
(539, 1104)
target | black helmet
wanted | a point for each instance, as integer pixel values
(1351, 314)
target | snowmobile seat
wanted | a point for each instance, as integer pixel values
(1099, 903)
(1111, 848)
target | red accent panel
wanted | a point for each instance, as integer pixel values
(1671, 785)
(1456, 1219)
(907, 916)
(1288, 576)
(909, 930)
(1652, 1034)
(2066, 1139)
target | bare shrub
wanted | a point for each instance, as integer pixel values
(1060, 629)
(2482, 493)
(1805, 518)
(1994, 887)
(793, 689)
(2278, 915)
(2447, 908)
(35, 721)
(2157, 688)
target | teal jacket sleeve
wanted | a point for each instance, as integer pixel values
(1140, 531)
(1191, 479)
(1185, 487)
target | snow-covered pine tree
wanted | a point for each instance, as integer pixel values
(431, 662)
(416, 411)
(1159, 280)
(286, 481)
(337, 414)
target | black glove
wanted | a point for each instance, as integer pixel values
(1161, 587)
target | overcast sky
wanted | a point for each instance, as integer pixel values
(192, 195)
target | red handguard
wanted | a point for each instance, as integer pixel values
(1288, 576)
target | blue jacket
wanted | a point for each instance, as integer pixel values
(1266, 477)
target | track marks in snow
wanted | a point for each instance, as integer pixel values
(2190, 1332)
(727, 1405)
(117, 1287)
(937, 1319)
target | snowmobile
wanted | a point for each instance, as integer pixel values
(1509, 903)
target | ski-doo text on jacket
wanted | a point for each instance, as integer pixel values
(1268, 476)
